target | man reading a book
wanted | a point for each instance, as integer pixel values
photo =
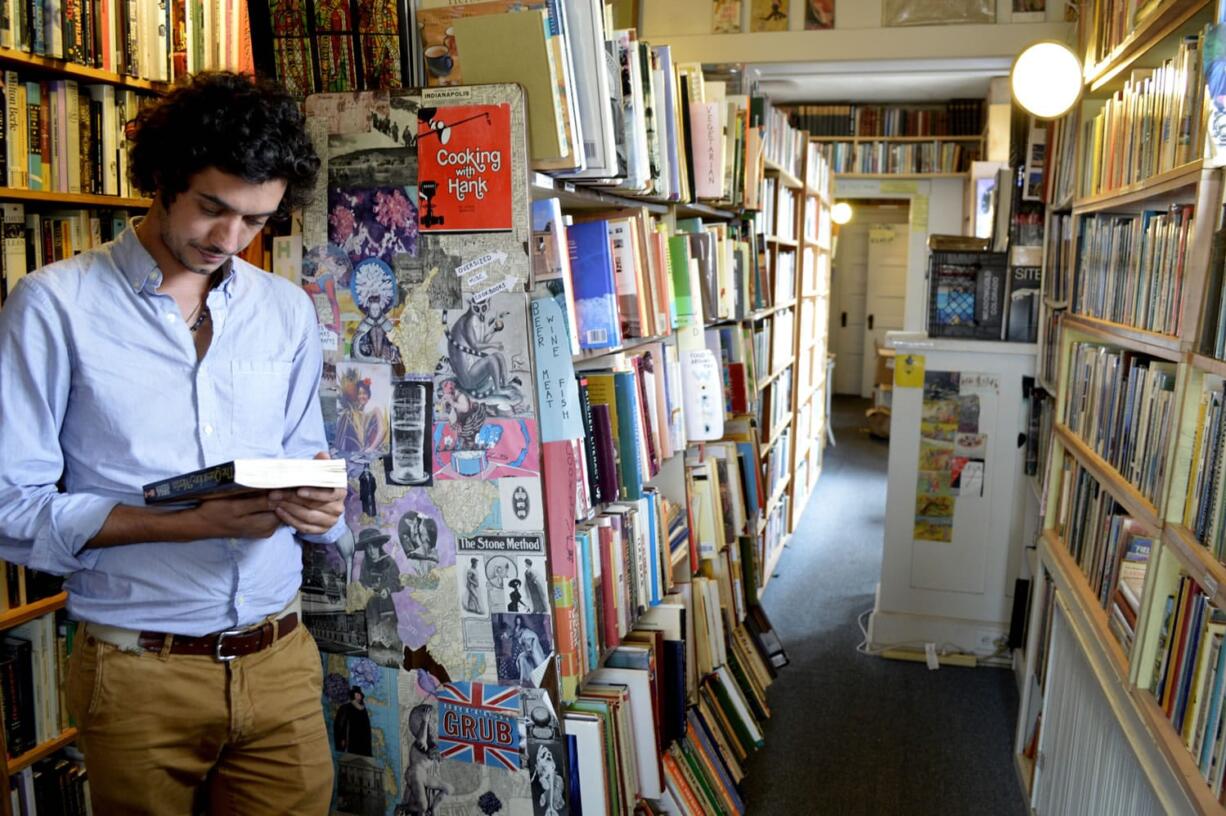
(192, 678)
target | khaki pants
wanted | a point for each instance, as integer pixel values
(162, 734)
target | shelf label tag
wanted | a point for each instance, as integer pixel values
(909, 371)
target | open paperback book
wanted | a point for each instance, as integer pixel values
(242, 476)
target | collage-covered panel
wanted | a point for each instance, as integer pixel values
(433, 612)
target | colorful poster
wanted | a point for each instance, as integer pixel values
(819, 14)
(725, 16)
(362, 708)
(464, 169)
(768, 15)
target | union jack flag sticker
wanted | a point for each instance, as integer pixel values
(479, 723)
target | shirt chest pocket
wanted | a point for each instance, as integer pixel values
(260, 394)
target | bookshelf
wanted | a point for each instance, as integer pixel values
(1129, 655)
(14, 764)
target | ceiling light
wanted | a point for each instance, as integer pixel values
(840, 213)
(1046, 79)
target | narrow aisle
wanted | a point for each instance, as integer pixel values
(853, 734)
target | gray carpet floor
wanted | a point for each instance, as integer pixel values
(854, 734)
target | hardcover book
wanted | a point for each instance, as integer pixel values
(244, 476)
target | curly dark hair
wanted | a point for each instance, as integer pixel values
(246, 127)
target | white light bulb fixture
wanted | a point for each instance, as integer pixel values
(1047, 79)
(840, 213)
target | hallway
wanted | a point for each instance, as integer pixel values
(854, 734)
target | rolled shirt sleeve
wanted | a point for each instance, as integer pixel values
(39, 526)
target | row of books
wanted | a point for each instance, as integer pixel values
(1122, 405)
(1060, 177)
(33, 239)
(33, 661)
(1112, 549)
(604, 105)
(627, 275)
(957, 117)
(1130, 268)
(1205, 504)
(908, 157)
(1151, 125)
(1107, 23)
(817, 173)
(159, 41)
(60, 136)
(646, 737)
(785, 145)
(1049, 359)
(777, 218)
(1058, 257)
(1189, 678)
(22, 585)
(55, 786)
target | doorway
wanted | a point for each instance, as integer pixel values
(868, 289)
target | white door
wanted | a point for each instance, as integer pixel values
(886, 295)
(848, 293)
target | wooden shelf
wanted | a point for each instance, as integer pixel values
(41, 751)
(1082, 606)
(1164, 20)
(1052, 303)
(779, 493)
(900, 139)
(628, 345)
(1162, 346)
(1210, 365)
(697, 209)
(72, 199)
(762, 314)
(777, 434)
(1072, 582)
(788, 180)
(774, 375)
(579, 197)
(1197, 561)
(772, 561)
(21, 59)
(1154, 187)
(790, 243)
(21, 614)
(1139, 507)
(964, 176)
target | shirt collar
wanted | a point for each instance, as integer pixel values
(141, 270)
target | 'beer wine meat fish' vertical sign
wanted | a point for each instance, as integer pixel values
(464, 168)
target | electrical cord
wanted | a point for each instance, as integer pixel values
(1001, 653)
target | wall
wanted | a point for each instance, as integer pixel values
(858, 34)
(936, 209)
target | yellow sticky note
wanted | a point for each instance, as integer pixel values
(919, 213)
(909, 371)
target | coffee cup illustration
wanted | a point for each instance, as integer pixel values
(449, 39)
(439, 60)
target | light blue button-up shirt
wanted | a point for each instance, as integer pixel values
(99, 383)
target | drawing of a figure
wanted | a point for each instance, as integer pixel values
(424, 786)
(516, 604)
(361, 428)
(536, 588)
(546, 775)
(472, 582)
(530, 654)
(478, 362)
(496, 570)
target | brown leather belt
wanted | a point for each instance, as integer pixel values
(225, 645)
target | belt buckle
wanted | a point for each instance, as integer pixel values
(221, 636)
